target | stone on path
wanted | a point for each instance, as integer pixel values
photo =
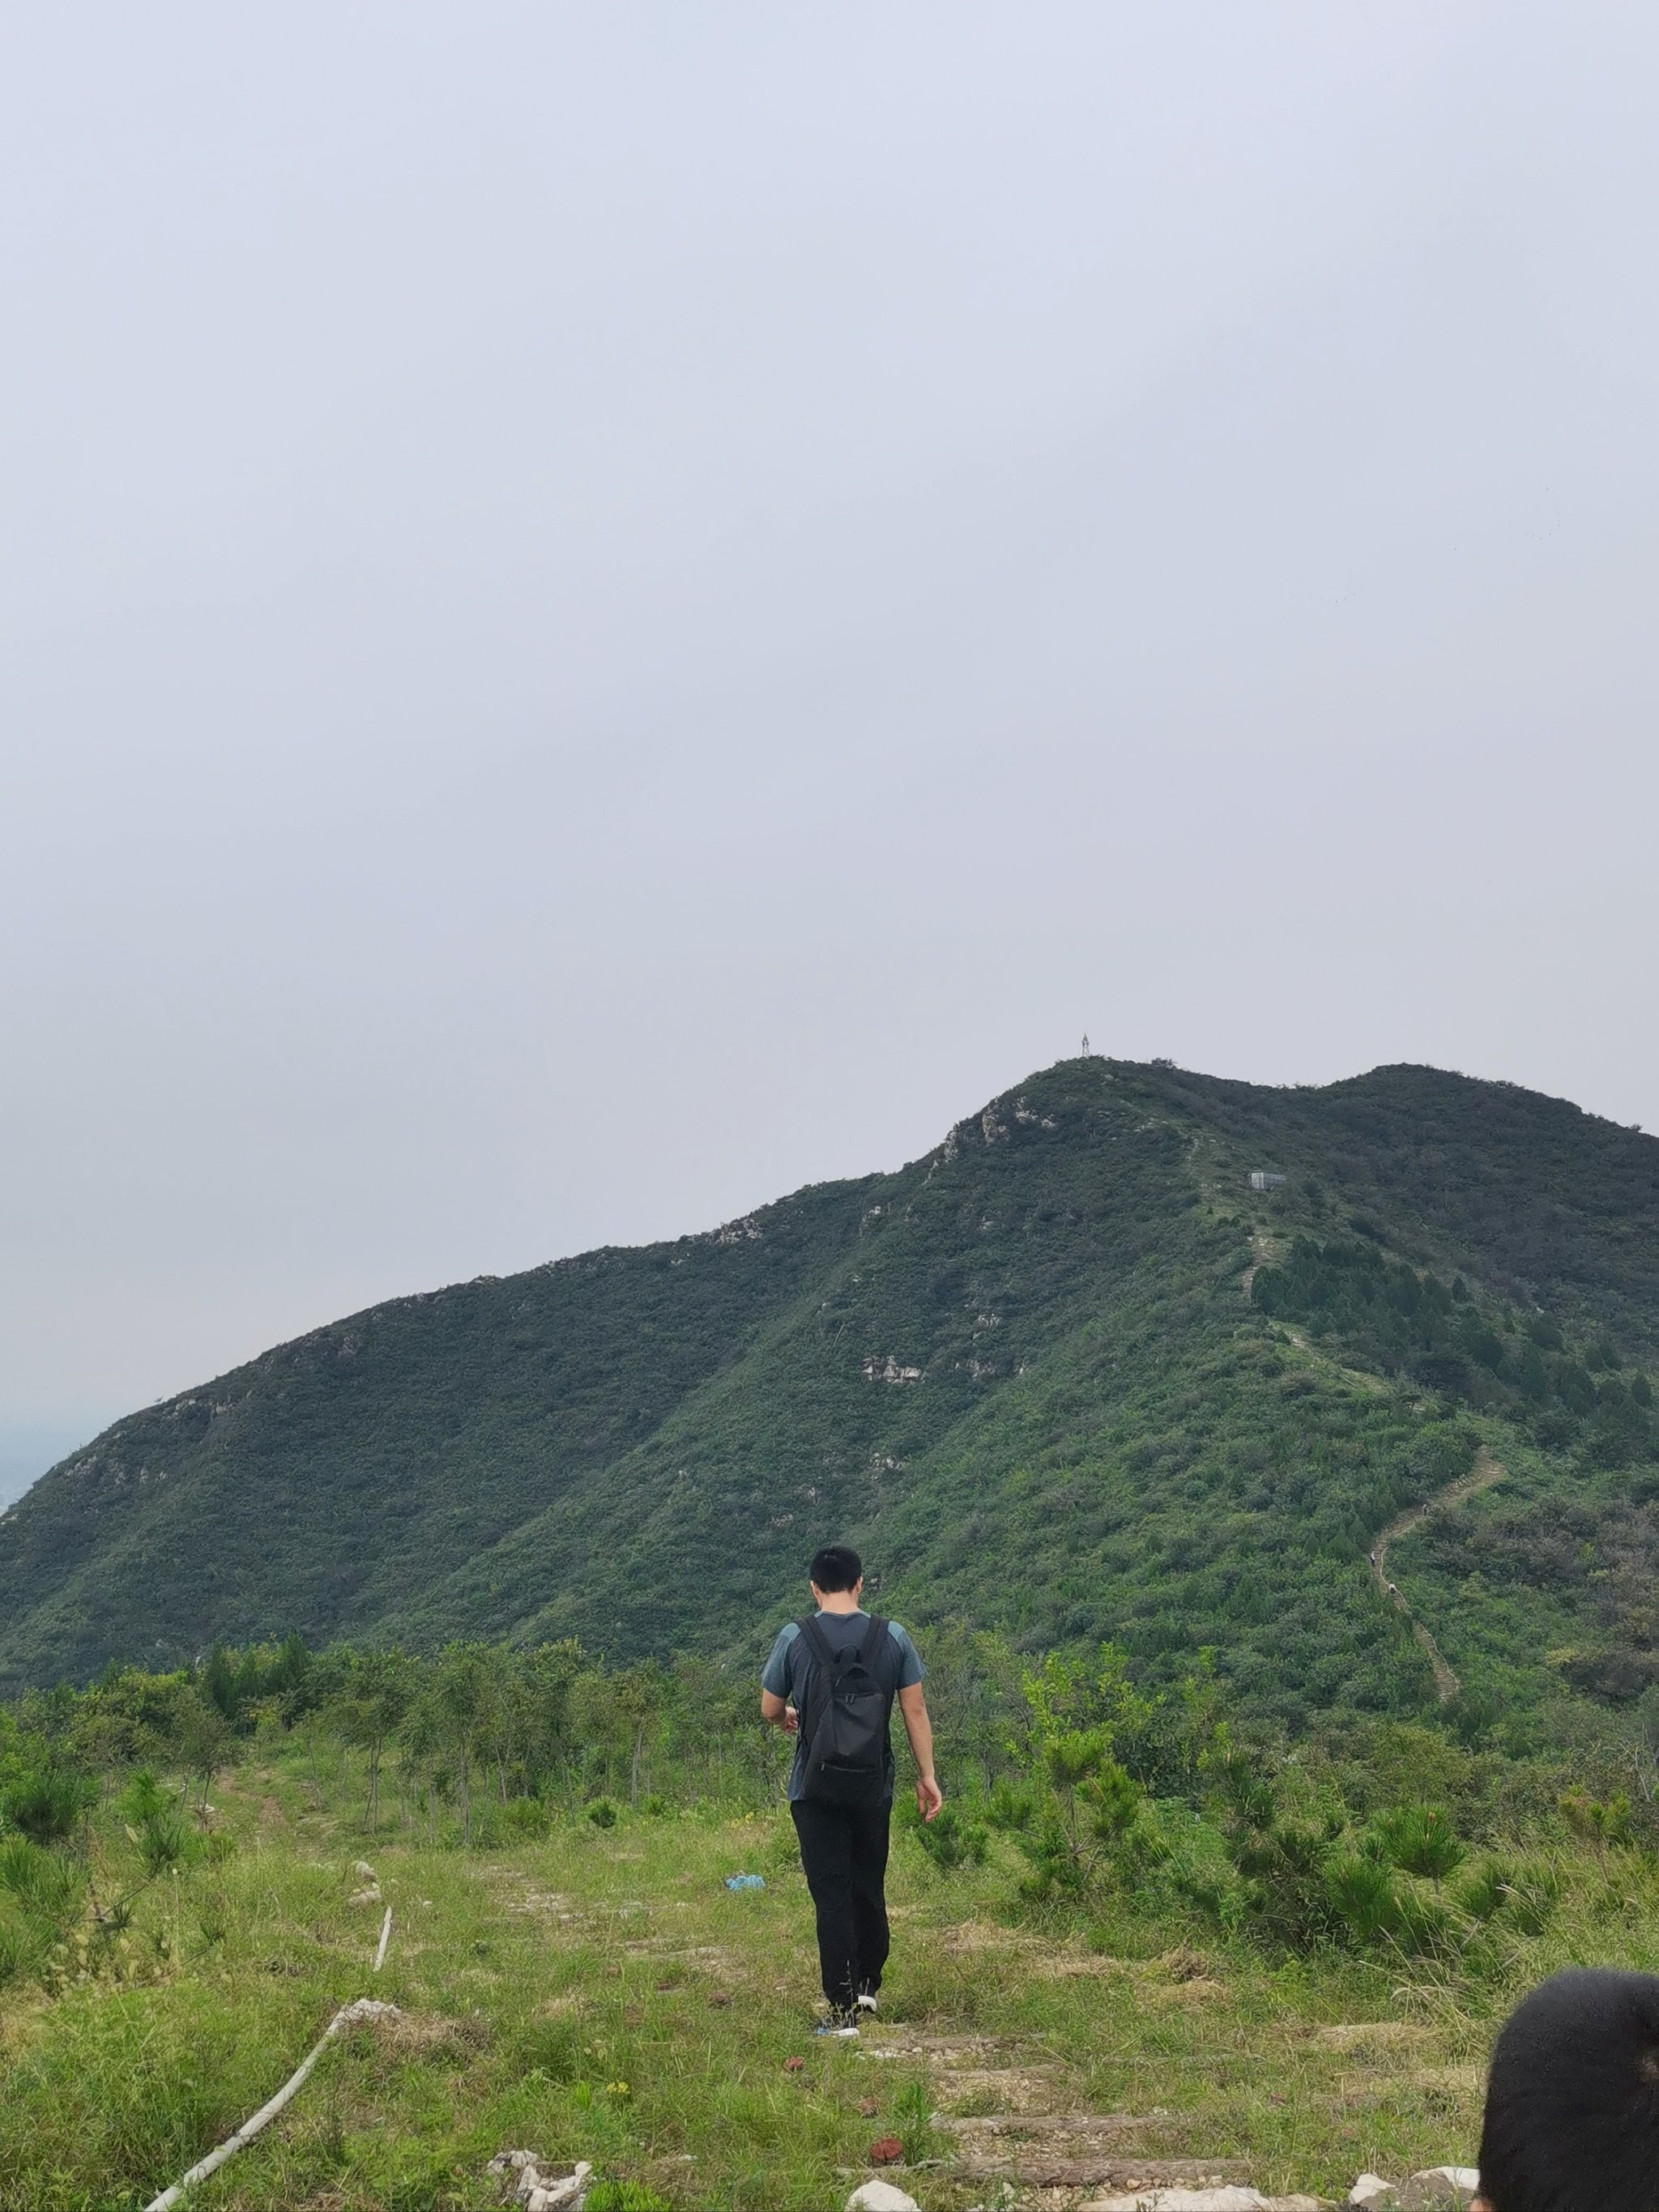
(1050, 2124)
(1230, 2199)
(1372, 2194)
(538, 2188)
(1127, 2175)
(1437, 2186)
(881, 2196)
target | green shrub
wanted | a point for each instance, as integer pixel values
(1012, 1805)
(42, 1882)
(1115, 1802)
(165, 1840)
(1598, 1821)
(143, 1798)
(1424, 1925)
(1534, 1892)
(1075, 1754)
(1485, 1888)
(602, 1813)
(1363, 1898)
(1419, 1839)
(952, 1839)
(521, 1820)
(1057, 1867)
(45, 1807)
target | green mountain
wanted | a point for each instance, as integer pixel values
(1069, 1376)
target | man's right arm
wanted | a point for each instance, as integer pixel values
(775, 1685)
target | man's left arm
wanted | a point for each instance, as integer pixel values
(913, 1710)
(776, 1682)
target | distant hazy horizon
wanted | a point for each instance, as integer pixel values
(605, 611)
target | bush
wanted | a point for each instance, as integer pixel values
(951, 1839)
(45, 1807)
(41, 1881)
(165, 1841)
(1419, 1839)
(1484, 1888)
(602, 1813)
(143, 1798)
(521, 1820)
(1534, 1892)
(1057, 1867)
(1363, 1898)
(1424, 1925)
(1012, 1806)
(1598, 1822)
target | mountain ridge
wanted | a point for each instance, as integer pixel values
(1031, 1372)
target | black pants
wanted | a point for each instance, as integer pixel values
(844, 1852)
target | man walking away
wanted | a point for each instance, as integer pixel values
(830, 1683)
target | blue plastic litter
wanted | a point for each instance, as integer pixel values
(746, 1881)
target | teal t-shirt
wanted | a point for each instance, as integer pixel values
(788, 1671)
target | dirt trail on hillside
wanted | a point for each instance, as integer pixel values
(1262, 1246)
(1485, 1471)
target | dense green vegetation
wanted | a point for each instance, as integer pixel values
(1188, 1917)
(1402, 1323)
(1101, 1781)
(476, 1584)
(1032, 1375)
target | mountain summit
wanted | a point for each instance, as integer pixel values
(1087, 1369)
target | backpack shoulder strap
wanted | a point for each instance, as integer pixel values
(878, 1654)
(820, 1688)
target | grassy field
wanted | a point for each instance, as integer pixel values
(599, 1993)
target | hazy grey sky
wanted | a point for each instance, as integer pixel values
(607, 609)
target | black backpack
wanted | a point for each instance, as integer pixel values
(844, 1725)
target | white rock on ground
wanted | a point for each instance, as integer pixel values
(1439, 2185)
(1232, 2197)
(1373, 2194)
(881, 2196)
(538, 2190)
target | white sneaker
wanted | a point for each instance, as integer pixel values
(865, 2001)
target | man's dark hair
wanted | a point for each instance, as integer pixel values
(1572, 2100)
(834, 1568)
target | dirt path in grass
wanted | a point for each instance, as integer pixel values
(1485, 1471)
(1009, 2114)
